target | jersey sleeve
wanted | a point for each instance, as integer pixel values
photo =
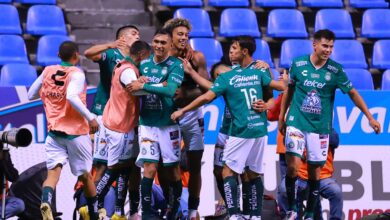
(105, 57)
(265, 77)
(219, 86)
(176, 75)
(292, 74)
(343, 83)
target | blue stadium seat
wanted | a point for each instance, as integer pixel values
(9, 20)
(368, 3)
(5, 1)
(45, 19)
(381, 54)
(276, 3)
(210, 47)
(200, 21)
(34, 2)
(386, 80)
(232, 24)
(17, 74)
(323, 4)
(286, 23)
(349, 53)
(361, 79)
(275, 74)
(294, 48)
(376, 23)
(182, 3)
(47, 52)
(262, 52)
(229, 3)
(337, 20)
(12, 49)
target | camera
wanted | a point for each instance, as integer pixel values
(17, 137)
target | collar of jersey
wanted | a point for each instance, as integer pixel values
(63, 63)
(127, 58)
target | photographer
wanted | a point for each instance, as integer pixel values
(13, 205)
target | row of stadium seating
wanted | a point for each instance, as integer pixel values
(13, 49)
(41, 20)
(23, 74)
(278, 3)
(33, 2)
(287, 23)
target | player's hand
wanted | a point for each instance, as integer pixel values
(284, 77)
(375, 125)
(93, 126)
(135, 86)
(177, 114)
(282, 126)
(165, 83)
(120, 43)
(259, 64)
(259, 106)
(143, 79)
(187, 66)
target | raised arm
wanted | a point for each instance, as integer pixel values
(95, 52)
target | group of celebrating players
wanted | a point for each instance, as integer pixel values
(148, 105)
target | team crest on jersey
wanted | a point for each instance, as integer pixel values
(312, 103)
(328, 76)
(164, 70)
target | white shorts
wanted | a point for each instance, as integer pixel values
(240, 153)
(121, 146)
(218, 151)
(316, 145)
(78, 151)
(192, 127)
(159, 142)
(100, 151)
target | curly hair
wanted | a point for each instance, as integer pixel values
(173, 23)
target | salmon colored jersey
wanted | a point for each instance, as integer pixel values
(280, 148)
(122, 109)
(61, 116)
(326, 170)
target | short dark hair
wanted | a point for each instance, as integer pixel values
(224, 61)
(246, 42)
(138, 46)
(122, 29)
(324, 33)
(67, 50)
(162, 31)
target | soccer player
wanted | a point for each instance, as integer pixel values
(107, 56)
(313, 80)
(159, 137)
(120, 117)
(248, 131)
(191, 124)
(62, 89)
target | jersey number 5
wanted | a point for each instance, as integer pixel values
(57, 82)
(250, 96)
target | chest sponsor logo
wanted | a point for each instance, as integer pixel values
(240, 81)
(314, 83)
(154, 79)
(312, 103)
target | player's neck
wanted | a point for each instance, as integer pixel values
(123, 51)
(246, 61)
(158, 59)
(316, 61)
(176, 52)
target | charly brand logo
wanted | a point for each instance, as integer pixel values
(304, 73)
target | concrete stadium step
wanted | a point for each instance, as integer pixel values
(77, 5)
(107, 18)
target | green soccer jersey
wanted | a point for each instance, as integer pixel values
(226, 121)
(240, 87)
(157, 107)
(311, 108)
(107, 64)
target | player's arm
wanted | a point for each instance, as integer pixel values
(198, 102)
(95, 52)
(286, 101)
(75, 88)
(361, 104)
(201, 80)
(33, 92)
(201, 63)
